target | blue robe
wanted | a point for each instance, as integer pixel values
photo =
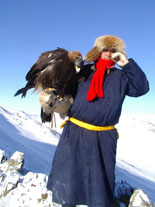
(83, 170)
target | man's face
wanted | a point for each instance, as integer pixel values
(106, 55)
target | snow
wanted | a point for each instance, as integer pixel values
(135, 152)
(20, 132)
(25, 133)
(137, 141)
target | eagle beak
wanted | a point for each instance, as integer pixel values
(79, 62)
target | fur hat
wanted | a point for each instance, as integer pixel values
(106, 42)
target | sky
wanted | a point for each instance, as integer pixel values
(30, 27)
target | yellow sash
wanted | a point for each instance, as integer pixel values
(88, 126)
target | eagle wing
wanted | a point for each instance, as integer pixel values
(49, 58)
(54, 70)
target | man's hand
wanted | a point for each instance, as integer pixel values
(119, 58)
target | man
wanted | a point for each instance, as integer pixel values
(83, 169)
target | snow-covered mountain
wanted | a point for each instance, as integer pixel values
(136, 152)
(23, 132)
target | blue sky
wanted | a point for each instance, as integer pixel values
(30, 27)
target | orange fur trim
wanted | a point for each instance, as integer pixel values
(111, 43)
(92, 55)
(106, 42)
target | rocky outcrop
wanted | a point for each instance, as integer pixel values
(123, 192)
(18, 190)
(139, 198)
(126, 196)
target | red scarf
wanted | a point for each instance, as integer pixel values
(96, 86)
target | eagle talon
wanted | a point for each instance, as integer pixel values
(49, 90)
(59, 97)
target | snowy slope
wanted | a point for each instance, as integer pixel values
(20, 132)
(135, 152)
(137, 141)
(136, 177)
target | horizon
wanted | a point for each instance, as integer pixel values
(29, 28)
(25, 134)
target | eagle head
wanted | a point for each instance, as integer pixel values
(76, 58)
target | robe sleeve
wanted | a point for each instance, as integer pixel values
(137, 83)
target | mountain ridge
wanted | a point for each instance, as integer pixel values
(23, 132)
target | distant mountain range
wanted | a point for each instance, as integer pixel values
(23, 132)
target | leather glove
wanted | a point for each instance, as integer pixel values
(62, 105)
(51, 102)
(119, 58)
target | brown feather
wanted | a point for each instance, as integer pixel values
(54, 69)
(74, 55)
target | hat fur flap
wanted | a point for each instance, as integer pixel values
(106, 42)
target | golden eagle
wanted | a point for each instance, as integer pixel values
(55, 76)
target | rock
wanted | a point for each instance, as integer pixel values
(19, 190)
(2, 156)
(123, 188)
(123, 192)
(30, 190)
(9, 175)
(139, 198)
(16, 161)
(8, 182)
